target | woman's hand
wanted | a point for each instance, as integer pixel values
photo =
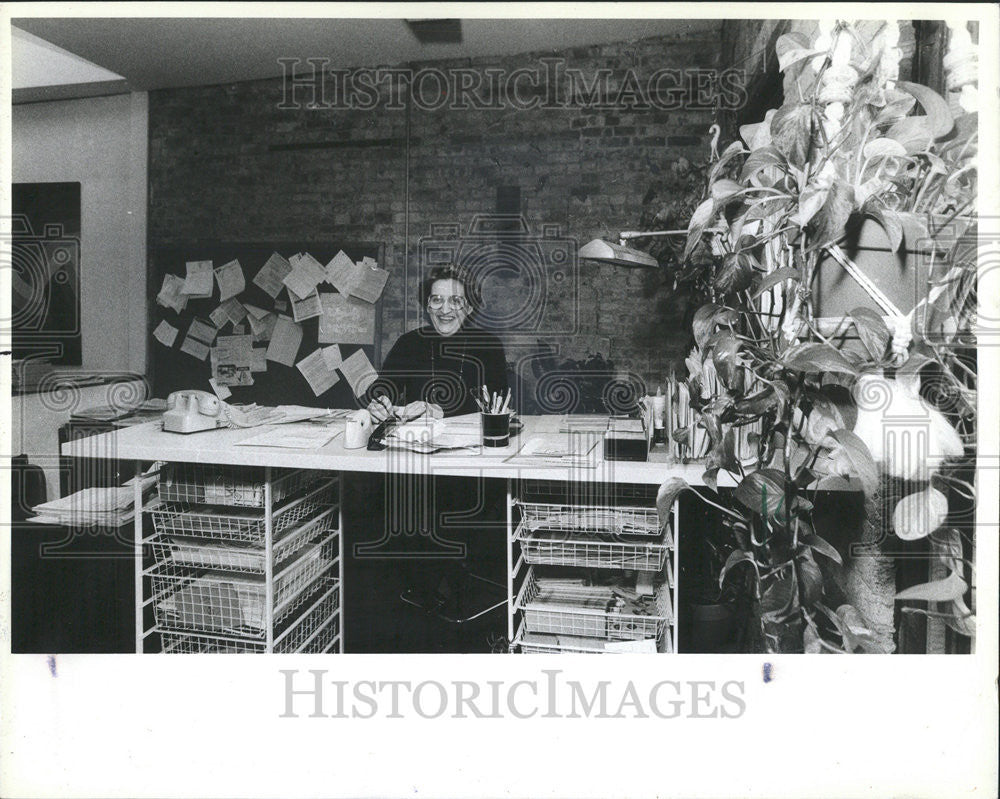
(417, 409)
(381, 409)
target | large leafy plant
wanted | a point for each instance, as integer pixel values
(850, 141)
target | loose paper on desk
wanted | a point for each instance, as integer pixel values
(199, 280)
(371, 285)
(230, 278)
(306, 274)
(305, 308)
(317, 374)
(298, 437)
(345, 320)
(262, 329)
(232, 358)
(165, 333)
(332, 356)
(359, 372)
(285, 341)
(170, 295)
(342, 273)
(272, 273)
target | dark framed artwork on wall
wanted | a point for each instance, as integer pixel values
(45, 260)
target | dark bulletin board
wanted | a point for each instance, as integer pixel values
(173, 370)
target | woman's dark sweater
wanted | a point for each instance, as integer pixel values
(444, 370)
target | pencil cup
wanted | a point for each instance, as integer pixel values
(496, 429)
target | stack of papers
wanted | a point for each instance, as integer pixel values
(435, 435)
(105, 507)
(583, 423)
(561, 449)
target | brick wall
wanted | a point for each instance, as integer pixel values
(226, 162)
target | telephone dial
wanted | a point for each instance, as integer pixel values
(193, 411)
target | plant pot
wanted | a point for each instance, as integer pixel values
(711, 628)
(903, 276)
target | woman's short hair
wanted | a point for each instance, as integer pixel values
(450, 272)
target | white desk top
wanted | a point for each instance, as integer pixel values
(148, 442)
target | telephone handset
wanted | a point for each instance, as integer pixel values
(194, 411)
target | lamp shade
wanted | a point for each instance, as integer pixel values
(618, 254)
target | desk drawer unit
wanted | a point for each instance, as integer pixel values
(243, 561)
(591, 576)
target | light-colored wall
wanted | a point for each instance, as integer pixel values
(102, 143)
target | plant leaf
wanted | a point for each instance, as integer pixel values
(725, 188)
(872, 330)
(822, 546)
(881, 148)
(699, 220)
(736, 556)
(778, 601)
(829, 222)
(810, 579)
(777, 276)
(707, 317)
(734, 149)
(939, 118)
(813, 358)
(791, 132)
(665, 496)
(861, 459)
(762, 491)
(949, 589)
(919, 514)
(788, 45)
(761, 159)
(810, 202)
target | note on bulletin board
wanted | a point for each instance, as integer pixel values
(346, 320)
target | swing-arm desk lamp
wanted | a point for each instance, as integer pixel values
(621, 254)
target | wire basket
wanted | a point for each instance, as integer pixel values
(590, 518)
(317, 626)
(591, 550)
(192, 644)
(589, 611)
(239, 486)
(245, 526)
(245, 558)
(220, 602)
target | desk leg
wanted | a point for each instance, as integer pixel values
(677, 576)
(510, 566)
(340, 544)
(137, 522)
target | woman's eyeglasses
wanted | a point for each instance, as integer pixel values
(436, 302)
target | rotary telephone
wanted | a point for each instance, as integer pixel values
(193, 411)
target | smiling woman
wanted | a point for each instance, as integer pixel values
(439, 368)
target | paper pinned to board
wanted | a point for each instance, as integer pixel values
(171, 295)
(262, 329)
(345, 320)
(192, 346)
(316, 372)
(307, 307)
(306, 274)
(230, 278)
(222, 392)
(254, 312)
(332, 356)
(258, 359)
(272, 273)
(285, 341)
(342, 273)
(199, 280)
(359, 372)
(199, 338)
(232, 357)
(368, 262)
(370, 285)
(165, 333)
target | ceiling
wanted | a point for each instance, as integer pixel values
(158, 53)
